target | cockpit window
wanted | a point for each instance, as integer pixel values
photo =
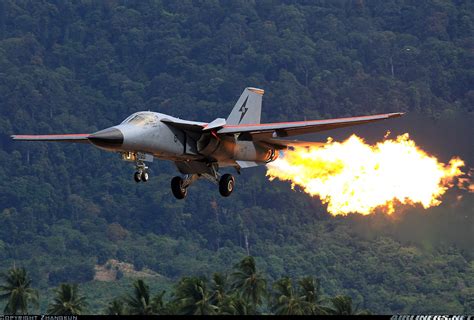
(139, 119)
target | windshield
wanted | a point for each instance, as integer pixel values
(139, 119)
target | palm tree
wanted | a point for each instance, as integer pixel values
(16, 290)
(140, 303)
(218, 289)
(234, 305)
(158, 305)
(286, 300)
(250, 284)
(116, 308)
(342, 305)
(310, 291)
(67, 301)
(192, 297)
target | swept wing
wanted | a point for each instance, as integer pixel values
(263, 131)
(78, 138)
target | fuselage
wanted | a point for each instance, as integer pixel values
(145, 132)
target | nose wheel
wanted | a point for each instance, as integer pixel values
(141, 175)
(137, 177)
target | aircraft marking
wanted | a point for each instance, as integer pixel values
(243, 109)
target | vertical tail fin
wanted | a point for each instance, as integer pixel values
(248, 108)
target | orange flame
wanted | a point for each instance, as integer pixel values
(353, 176)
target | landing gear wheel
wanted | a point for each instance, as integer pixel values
(145, 176)
(226, 185)
(137, 177)
(177, 188)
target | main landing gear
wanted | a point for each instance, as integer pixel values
(179, 186)
(226, 185)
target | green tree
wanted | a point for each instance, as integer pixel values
(159, 306)
(234, 305)
(310, 292)
(16, 290)
(67, 301)
(140, 303)
(218, 289)
(193, 298)
(250, 284)
(116, 308)
(342, 305)
(286, 301)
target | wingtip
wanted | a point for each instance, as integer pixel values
(396, 114)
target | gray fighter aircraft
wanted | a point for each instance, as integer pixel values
(199, 149)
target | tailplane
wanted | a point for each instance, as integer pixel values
(248, 108)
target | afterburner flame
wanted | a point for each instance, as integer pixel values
(353, 176)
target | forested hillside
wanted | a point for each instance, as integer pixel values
(80, 66)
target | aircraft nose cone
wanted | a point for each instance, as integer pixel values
(107, 138)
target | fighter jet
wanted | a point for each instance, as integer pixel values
(200, 149)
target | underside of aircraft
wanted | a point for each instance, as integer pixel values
(199, 149)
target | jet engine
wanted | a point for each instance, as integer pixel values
(223, 148)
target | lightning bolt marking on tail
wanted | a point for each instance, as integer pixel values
(243, 109)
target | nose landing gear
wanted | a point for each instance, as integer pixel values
(142, 172)
(141, 176)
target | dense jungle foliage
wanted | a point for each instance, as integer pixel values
(80, 66)
(244, 291)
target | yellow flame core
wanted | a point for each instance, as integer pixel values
(353, 176)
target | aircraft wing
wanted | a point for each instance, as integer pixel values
(78, 138)
(184, 124)
(285, 144)
(263, 131)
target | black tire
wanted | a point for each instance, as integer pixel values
(177, 188)
(145, 176)
(226, 185)
(137, 177)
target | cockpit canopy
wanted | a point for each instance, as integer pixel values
(140, 119)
